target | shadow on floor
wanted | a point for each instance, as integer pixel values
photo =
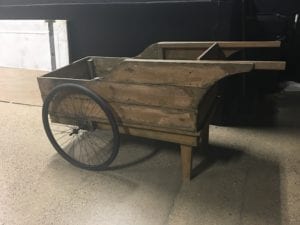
(136, 159)
(215, 154)
(230, 187)
(143, 160)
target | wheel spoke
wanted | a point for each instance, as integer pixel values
(79, 139)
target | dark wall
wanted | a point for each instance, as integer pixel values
(125, 29)
(274, 19)
(274, 6)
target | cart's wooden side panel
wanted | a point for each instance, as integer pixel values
(172, 97)
(104, 65)
(181, 54)
(76, 70)
(130, 114)
(159, 93)
(163, 94)
(144, 113)
(175, 136)
(180, 138)
(202, 74)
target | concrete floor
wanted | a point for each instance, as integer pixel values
(20, 86)
(250, 176)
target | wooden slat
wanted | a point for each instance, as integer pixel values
(76, 70)
(174, 97)
(191, 53)
(190, 73)
(154, 51)
(164, 96)
(104, 65)
(222, 44)
(129, 114)
(156, 117)
(258, 65)
(104, 124)
(269, 65)
(181, 53)
(214, 52)
(162, 136)
(190, 50)
(175, 136)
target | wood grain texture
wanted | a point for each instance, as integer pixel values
(160, 135)
(104, 65)
(189, 73)
(157, 133)
(174, 97)
(191, 50)
(186, 162)
(69, 104)
(181, 53)
(222, 44)
(76, 70)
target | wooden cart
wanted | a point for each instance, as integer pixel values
(168, 93)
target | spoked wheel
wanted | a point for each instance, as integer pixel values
(81, 127)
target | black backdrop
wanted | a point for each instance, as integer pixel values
(125, 29)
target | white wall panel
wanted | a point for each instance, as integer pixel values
(25, 44)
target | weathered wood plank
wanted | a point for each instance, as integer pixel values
(154, 95)
(186, 162)
(154, 51)
(165, 96)
(268, 65)
(72, 104)
(76, 70)
(190, 53)
(181, 53)
(104, 65)
(174, 136)
(190, 50)
(159, 135)
(103, 124)
(222, 44)
(190, 73)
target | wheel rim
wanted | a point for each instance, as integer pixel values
(81, 127)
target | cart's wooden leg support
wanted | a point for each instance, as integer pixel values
(186, 162)
(187, 153)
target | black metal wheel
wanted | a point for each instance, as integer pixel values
(81, 127)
